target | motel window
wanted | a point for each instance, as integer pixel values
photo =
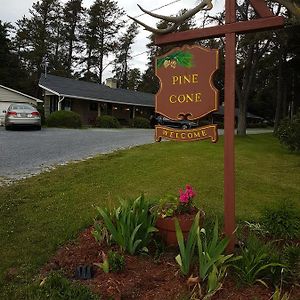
(53, 104)
(66, 105)
(93, 106)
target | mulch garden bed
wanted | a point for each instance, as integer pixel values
(143, 277)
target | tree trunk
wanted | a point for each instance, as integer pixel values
(279, 106)
(70, 50)
(242, 118)
(101, 56)
(254, 53)
(243, 95)
(88, 63)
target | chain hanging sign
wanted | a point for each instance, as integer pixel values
(187, 91)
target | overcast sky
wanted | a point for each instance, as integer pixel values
(13, 10)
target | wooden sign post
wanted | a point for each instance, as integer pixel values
(267, 20)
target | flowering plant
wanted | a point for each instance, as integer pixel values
(186, 200)
(170, 206)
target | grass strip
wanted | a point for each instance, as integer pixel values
(39, 214)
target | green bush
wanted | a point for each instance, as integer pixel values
(291, 258)
(42, 114)
(288, 133)
(140, 122)
(282, 220)
(257, 261)
(112, 262)
(65, 119)
(116, 261)
(107, 121)
(58, 287)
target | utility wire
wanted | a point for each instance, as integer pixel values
(170, 3)
(158, 8)
(139, 54)
(131, 57)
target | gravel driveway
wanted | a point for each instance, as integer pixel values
(27, 152)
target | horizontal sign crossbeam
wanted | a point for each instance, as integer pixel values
(218, 31)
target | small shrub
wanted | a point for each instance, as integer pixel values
(291, 258)
(107, 121)
(112, 262)
(55, 286)
(282, 220)
(116, 261)
(288, 133)
(140, 122)
(42, 114)
(65, 119)
(257, 261)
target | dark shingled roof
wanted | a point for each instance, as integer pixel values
(93, 91)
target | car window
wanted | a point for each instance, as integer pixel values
(21, 106)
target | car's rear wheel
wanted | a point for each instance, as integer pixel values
(8, 127)
(38, 127)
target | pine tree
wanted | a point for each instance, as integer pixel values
(101, 36)
(123, 56)
(11, 72)
(134, 79)
(72, 17)
(37, 37)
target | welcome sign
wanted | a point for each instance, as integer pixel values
(187, 91)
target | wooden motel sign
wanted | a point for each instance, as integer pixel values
(187, 91)
(266, 20)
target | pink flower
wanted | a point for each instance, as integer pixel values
(183, 197)
(187, 195)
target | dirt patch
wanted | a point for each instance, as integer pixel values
(143, 277)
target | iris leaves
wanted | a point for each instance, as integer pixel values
(185, 258)
(212, 262)
(130, 225)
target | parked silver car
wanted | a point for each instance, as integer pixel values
(22, 114)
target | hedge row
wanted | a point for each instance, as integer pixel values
(65, 119)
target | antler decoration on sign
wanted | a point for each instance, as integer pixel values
(204, 5)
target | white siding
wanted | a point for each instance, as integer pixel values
(9, 96)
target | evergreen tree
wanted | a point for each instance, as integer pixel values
(56, 55)
(101, 36)
(11, 72)
(38, 37)
(123, 56)
(134, 79)
(72, 17)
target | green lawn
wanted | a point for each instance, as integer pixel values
(40, 213)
